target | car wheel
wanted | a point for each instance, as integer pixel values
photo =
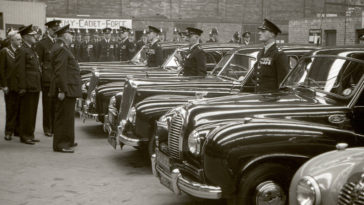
(265, 184)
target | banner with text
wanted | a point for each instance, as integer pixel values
(86, 23)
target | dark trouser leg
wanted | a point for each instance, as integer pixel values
(12, 110)
(64, 124)
(47, 103)
(28, 114)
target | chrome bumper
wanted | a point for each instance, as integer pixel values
(180, 184)
(86, 115)
(128, 140)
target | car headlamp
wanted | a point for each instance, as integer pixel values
(132, 115)
(112, 106)
(93, 96)
(308, 191)
(194, 143)
(83, 88)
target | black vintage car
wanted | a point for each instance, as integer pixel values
(98, 99)
(143, 103)
(101, 76)
(247, 147)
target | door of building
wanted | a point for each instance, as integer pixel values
(330, 36)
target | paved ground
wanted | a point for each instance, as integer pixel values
(94, 174)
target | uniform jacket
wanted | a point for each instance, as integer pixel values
(140, 44)
(131, 47)
(43, 48)
(269, 70)
(87, 52)
(195, 63)
(28, 69)
(66, 73)
(106, 50)
(7, 69)
(155, 55)
(122, 51)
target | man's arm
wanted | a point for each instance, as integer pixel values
(60, 70)
(3, 68)
(201, 63)
(158, 56)
(282, 67)
(20, 62)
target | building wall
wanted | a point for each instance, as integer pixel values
(31, 13)
(227, 16)
(346, 29)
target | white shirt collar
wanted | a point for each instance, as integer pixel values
(12, 47)
(266, 47)
(194, 45)
(154, 41)
(27, 44)
(50, 37)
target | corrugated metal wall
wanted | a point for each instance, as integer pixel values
(23, 13)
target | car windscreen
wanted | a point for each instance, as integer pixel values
(336, 75)
(237, 66)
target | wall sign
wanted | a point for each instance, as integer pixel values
(314, 36)
(86, 23)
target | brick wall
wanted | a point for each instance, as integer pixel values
(346, 33)
(227, 15)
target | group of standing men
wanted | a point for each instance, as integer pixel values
(29, 67)
(107, 48)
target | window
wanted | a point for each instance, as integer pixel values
(1, 21)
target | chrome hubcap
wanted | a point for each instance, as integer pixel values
(270, 193)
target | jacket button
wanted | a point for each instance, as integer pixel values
(257, 78)
(258, 84)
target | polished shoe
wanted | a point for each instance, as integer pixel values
(35, 140)
(28, 141)
(7, 137)
(65, 150)
(48, 134)
(74, 144)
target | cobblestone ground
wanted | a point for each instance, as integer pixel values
(94, 174)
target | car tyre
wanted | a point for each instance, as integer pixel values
(267, 183)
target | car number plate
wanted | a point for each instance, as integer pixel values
(163, 160)
(165, 182)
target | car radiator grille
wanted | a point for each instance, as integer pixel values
(127, 101)
(174, 136)
(350, 195)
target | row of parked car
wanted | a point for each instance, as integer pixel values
(214, 138)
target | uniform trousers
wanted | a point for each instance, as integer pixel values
(12, 111)
(64, 123)
(48, 111)
(28, 114)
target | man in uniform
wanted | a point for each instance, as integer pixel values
(8, 81)
(236, 38)
(214, 36)
(195, 63)
(107, 48)
(28, 71)
(96, 44)
(43, 49)
(65, 87)
(142, 41)
(87, 50)
(131, 45)
(246, 38)
(122, 52)
(154, 52)
(272, 65)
